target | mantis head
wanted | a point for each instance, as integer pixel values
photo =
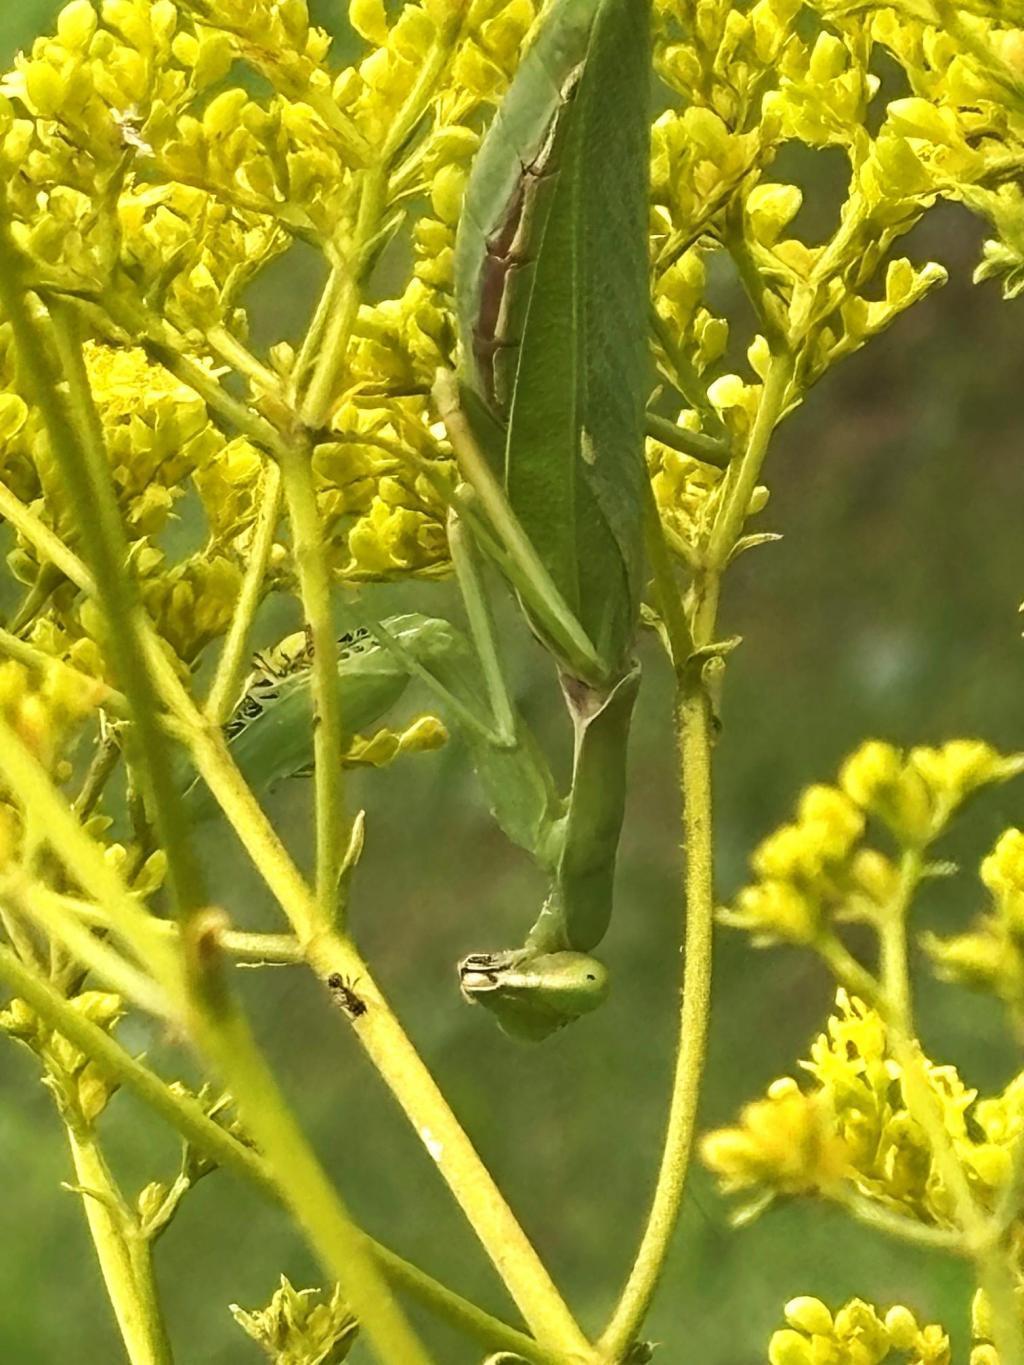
(532, 995)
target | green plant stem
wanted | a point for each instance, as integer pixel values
(338, 322)
(304, 1187)
(742, 475)
(233, 661)
(22, 772)
(47, 545)
(125, 1257)
(332, 834)
(706, 449)
(186, 1116)
(77, 441)
(696, 730)
(37, 903)
(893, 943)
(398, 1063)
(332, 326)
(42, 663)
(877, 1216)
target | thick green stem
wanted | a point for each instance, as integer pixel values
(338, 322)
(315, 588)
(696, 727)
(187, 1117)
(695, 723)
(425, 1106)
(48, 546)
(125, 1257)
(76, 439)
(305, 1188)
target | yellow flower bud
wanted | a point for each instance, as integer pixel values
(790, 1348)
(76, 23)
(769, 209)
(808, 1315)
(369, 19)
(446, 193)
(902, 1328)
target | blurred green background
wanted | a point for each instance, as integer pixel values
(889, 610)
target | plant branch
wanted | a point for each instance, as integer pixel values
(332, 835)
(695, 727)
(125, 1258)
(187, 1117)
(233, 661)
(47, 545)
(696, 724)
(391, 1052)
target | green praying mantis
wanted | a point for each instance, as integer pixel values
(546, 417)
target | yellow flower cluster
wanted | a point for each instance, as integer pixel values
(161, 201)
(79, 1086)
(150, 184)
(856, 1334)
(750, 78)
(817, 870)
(47, 711)
(989, 957)
(851, 1130)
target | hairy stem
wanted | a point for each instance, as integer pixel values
(696, 728)
(125, 1258)
(695, 724)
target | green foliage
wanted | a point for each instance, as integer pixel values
(158, 158)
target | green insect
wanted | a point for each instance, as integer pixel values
(271, 730)
(552, 298)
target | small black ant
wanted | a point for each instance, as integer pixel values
(344, 989)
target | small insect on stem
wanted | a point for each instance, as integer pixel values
(343, 989)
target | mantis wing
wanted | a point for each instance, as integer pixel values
(552, 289)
